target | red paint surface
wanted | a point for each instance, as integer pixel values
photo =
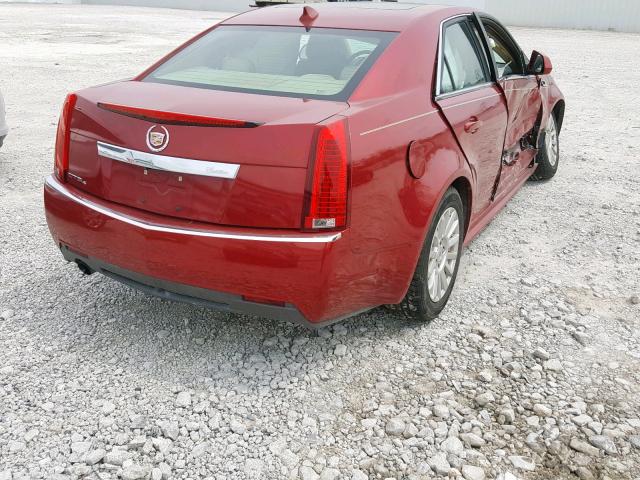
(389, 210)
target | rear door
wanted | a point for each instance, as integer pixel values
(471, 103)
(523, 99)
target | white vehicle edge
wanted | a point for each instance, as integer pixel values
(4, 128)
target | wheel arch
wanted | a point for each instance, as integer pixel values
(558, 113)
(463, 186)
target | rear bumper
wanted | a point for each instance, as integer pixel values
(185, 293)
(197, 263)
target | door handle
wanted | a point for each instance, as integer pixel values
(472, 125)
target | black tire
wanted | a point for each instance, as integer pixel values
(547, 167)
(417, 304)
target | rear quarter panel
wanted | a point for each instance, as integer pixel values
(390, 210)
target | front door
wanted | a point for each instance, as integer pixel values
(472, 104)
(524, 102)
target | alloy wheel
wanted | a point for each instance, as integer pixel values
(551, 141)
(443, 254)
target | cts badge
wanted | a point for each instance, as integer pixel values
(157, 138)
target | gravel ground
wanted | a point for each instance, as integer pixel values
(532, 372)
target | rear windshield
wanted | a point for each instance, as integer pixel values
(285, 61)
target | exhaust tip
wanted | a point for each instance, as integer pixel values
(84, 268)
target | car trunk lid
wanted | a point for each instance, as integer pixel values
(149, 146)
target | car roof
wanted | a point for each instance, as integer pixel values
(383, 16)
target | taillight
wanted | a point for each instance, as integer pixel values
(328, 185)
(63, 138)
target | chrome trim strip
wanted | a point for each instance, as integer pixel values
(462, 91)
(310, 238)
(440, 46)
(400, 122)
(515, 76)
(168, 164)
(472, 101)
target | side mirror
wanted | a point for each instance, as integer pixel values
(539, 64)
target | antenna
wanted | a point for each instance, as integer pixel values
(308, 16)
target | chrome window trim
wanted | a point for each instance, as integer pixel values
(440, 45)
(168, 164)
(472, 101)
(515, 76)
(440, 53)
(462, 91)
(55, 185)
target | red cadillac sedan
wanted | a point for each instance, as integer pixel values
(305, 164)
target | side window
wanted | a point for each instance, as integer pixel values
(462, 63)
(506, 57)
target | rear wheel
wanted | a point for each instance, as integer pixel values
(437, 267)
(548, 151)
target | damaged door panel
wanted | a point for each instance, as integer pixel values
(523, 101)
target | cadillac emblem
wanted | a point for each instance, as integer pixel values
(157, 138)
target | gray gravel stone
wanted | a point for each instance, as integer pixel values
(603, 443)
(507, 416)
(80, 447)
(553, 365)
(541, 353)
(472, 440)
(471, 472)
(583, 447)
(31, 434)
(95, 456)
(439, 463)
(522, 463)
(581, 420)
(200, 449)
(135, 472)
(485, 398)
(183, 399)
(308, 473)
(452, 445)
(542, 410)
(254, 468)
(117, 457)
(359, 475)
(441, 411)
(16, 446)
(170, 429)
(108, 408)
(329, 474)
(395, 426)
(237, 427)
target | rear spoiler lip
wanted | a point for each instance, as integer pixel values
(175, 118)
